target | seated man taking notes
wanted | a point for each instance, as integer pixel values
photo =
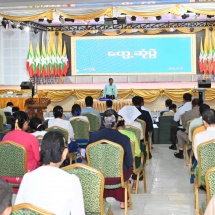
(110, 90)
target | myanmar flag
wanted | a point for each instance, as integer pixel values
(49, 61)
(44, 61)
(210, 58)
(38, 60)
(213, 56)
(201, 57)
(59, 60)
(30, 63)
(54, 60)
(65, 60)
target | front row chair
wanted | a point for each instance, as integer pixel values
(210, 188)
(13, 160)
(94, 121)
(92, 182)
(29, 209)
(139, 171)
(107, 157)
(206, 160)
(2, 130)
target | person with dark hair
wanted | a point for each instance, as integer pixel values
(76, 113)
(182, 136)
(14, 109)
(121, 128)
(168, 102)
(89, 108)
(110, 133)
(6, 193)
(110, 90)
(8, 108)
(28, 141)
(36, 126)
(49, 187)
(172, 110)
(58, 121)
(187, 97)
(208, 117)
(109, 104)
(198, 121)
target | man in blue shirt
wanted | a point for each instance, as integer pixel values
(89, 108)
(110, 90)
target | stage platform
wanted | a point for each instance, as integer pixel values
(154, 93)
(120, 86)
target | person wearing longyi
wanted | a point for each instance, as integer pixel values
(110, 90)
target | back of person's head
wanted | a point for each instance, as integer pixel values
(109, 103)
(209, 116)
(58, 111)
(6, 193)
(203, 108)
(15, 108)
(10, 104)
(120, 122)
(36, 124)
(89, 101)
(137, 100)
(195, 102)
(110, 118)
(168, 102)
(52, 147)
(187, 97)
(76, 110)
(172, 107)
(19, 120)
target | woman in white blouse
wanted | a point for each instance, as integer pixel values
(76, 113)
(49, 187)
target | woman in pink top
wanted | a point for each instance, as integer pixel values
(20, 136)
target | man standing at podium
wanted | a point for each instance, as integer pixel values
(110, 90)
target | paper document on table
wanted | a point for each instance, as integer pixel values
(155, 126)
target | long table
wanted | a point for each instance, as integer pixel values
(101, 105)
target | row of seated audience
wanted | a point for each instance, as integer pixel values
(112, 127)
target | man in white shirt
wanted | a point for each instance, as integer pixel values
(49, 187)
(187, 98)
(58, 121)
(8, 108)
(208, 117)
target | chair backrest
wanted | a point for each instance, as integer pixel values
(1, 123)
(210, 185)
(143, 124)
(80, 128)
(206, 159)
(62, 130)
(188, 124)
(40, 138)
(165, 124)
(135, 130)
(92, 182)
(107, 157)
(133, 154)
(13, 159)
(94, 121)
(9, 119)
(28, 209)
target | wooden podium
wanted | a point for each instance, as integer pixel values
(35, 106)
